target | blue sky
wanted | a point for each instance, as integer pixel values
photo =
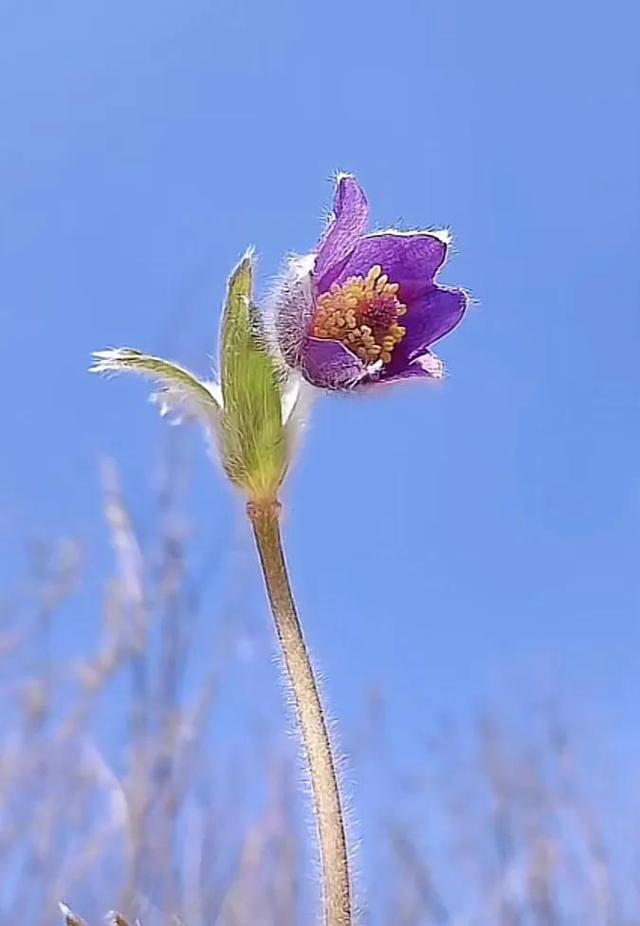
(455, 543)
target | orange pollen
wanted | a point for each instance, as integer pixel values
(363, 314)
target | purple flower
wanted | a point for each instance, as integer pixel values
(365, 308)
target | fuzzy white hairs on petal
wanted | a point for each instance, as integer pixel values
(289, 307)
(431, 364)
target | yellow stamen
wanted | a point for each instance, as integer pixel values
(362, 313)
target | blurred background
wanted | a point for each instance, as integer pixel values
(465, 556)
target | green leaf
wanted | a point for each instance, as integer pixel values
(254, 449)
(179, 387)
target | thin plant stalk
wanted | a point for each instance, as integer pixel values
(329, 814)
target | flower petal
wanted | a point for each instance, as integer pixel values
(329, 364)
(412, 260)
(427, 365)
(349, 221)
(428, 319)
(290, 307)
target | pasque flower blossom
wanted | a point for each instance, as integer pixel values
(362, 309)
(365, 309)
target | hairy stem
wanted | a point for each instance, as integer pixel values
(311, 718)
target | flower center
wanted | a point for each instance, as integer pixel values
(363, 314)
